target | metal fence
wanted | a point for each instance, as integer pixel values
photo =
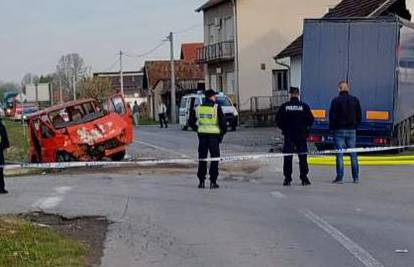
(267, 103)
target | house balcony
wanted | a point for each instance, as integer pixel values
(219, 52)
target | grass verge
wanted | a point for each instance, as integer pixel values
(19, 142)
(147, 122)
(26, 244)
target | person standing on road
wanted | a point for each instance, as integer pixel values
(135, 113)
(162, 115)
(209, 122)
(295, 118)
(4, 144)
(344, 117)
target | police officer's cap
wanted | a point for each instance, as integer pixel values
(209, 93)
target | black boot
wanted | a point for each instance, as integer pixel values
(202, 185)
(306, 182)
(4, 191)
(214, 185)
(287, 182)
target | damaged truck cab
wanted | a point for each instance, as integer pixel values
(81, 131)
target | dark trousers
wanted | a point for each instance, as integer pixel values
(163, 120)
(295, 146)
(2, 186)
(208, 144)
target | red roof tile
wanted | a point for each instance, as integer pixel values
(160, 70)
(189, 51)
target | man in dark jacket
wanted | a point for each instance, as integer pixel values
(4, 144)
(209, 122)
(344, 117)
(295, 118)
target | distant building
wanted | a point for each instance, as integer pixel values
(292, 54)
(241, 38)
(133, 84)
(157, 79)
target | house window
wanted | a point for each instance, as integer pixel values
(280, 80)
(228, 29)
(211, 34)
(231, 82)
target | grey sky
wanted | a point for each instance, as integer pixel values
(34, 34)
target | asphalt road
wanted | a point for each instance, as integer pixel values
(162, 219)
(151, 141)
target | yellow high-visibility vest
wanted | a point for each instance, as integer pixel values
(208, 120)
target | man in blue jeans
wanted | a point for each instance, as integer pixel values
(344, 117)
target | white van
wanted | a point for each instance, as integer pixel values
(190, 102)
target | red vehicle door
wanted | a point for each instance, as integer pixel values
(44, 147)
(117, 104)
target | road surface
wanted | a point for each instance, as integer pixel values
(162, 219)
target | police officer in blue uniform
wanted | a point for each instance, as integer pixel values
(295, 118)
(4, 144)
(209, 122)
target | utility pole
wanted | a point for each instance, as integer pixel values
(121, 73)
(60, 90)
(74, 85)
(173, 101)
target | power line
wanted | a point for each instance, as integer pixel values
(111, 66)
(189, 29)
(145, 53)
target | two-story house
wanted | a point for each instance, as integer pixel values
(240, 39)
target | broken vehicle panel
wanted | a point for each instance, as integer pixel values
(81, 131)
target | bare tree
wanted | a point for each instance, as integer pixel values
(97, 88)
(29, 78)
(8, 86)
(70, 69)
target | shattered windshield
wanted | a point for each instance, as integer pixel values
(74, 115)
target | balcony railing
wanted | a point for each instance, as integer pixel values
(222, 51)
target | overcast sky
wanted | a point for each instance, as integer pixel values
(35, 33)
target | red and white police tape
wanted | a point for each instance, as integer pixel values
(250, 157)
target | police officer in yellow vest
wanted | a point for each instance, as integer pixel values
(209, 121)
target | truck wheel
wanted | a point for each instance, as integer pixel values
(119, 156)
(233, 128)
(320, 146)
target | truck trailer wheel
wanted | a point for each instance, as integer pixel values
(119, 156)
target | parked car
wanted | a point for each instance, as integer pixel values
(190, 102)
(24, 110)
(81, 131)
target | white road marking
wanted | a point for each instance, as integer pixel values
(279, 195)
(357, 251)
(53, 200)
(162, 148)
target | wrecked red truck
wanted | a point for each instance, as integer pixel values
(81, 131)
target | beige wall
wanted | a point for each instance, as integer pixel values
(221, 11)
(265, 27)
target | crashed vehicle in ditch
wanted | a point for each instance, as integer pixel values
(81, 131)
